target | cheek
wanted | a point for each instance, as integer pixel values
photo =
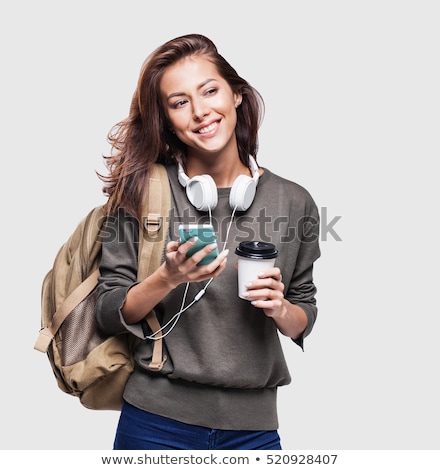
(232, 117)
(178, 121)
(231, 111)
(181, 130)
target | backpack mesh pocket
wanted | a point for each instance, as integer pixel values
(80, 332)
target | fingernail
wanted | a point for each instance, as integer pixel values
(248, 284)
(225, 253)
(212, 246)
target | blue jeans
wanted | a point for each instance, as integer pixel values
(140, 430)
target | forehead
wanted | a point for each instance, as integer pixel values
(188, 73)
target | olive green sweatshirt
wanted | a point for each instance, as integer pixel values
(224, 357)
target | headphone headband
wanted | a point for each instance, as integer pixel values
(254, 168)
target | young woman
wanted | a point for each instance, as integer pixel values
(223, 364)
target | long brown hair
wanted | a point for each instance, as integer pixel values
(144, 137)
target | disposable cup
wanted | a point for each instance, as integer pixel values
(253, 258)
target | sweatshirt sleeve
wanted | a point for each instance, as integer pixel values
(118, 273)
(301, 290)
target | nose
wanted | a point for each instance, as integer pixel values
(200, 109)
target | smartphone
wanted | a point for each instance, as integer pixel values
(205, 234)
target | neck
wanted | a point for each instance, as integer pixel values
(224, 171)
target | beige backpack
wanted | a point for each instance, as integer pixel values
(86, 363)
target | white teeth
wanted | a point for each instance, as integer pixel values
(209, 128)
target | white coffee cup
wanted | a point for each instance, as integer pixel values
(253, 258)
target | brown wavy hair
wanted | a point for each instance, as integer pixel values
(145, 138)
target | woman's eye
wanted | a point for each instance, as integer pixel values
(211, 91)
(179, 104)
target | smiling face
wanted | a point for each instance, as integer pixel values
(201, 107)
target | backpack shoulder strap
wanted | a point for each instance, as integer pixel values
(155, 221)
(153, 232)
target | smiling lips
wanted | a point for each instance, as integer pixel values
(208, 129)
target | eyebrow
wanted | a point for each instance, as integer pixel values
(181, 93)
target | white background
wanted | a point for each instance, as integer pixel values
(352, 97)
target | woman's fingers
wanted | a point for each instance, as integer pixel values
(268, 286)
(187, 268)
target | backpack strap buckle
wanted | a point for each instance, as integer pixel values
(152, 224)
(44, 339)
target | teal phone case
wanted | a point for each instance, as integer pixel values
(206, 236)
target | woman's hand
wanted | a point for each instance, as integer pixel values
(176, 269)
(267, 293)
(180, 269)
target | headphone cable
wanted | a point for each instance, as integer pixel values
(175, 318)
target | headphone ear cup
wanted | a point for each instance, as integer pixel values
(202, 192)
(242, 193)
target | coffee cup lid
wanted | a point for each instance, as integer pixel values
(256, 250)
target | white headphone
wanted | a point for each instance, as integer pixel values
(201, 190)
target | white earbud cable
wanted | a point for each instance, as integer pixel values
(175, 318)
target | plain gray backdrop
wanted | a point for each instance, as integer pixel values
(352, 113)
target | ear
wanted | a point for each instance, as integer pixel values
(238, 99)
